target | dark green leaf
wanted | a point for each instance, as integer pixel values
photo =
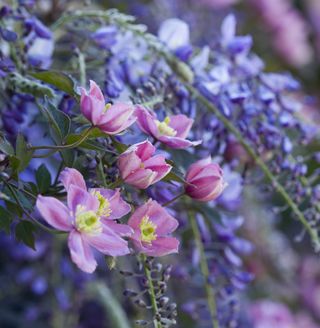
(59, 121)
(43, 178)
(60, 80)
(5, 219)
(24, 233)
(23, 154)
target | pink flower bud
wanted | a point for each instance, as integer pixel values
(204, 180)
(111, 119)
(140, 168)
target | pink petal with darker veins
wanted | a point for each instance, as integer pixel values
(54, 212)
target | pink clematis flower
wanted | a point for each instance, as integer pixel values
(205, 180)
(172, 131)
(111, 119)
(88, 217)
(140, 168)
(152, 225)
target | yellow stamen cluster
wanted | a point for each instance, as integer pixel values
(104, 205)
(147, 230)
(164, 128)
(87, 221)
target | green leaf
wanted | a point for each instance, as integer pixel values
(60, 122)
(19, 83)
(24, 233)
(5, 219)
(6, 147)
(23, 153)
(43, 178)
(60, 80)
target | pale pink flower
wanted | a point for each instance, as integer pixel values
(89, 218)
(111, 119)
(173, 131)
(152, 227)
(140, 168)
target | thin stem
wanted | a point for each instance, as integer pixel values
(156, 323)
(82, 68)
(205, 272)
(173, 199)
(64, 147)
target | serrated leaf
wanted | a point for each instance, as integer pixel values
(24, 233)
(43, 178)
(60, 80)
(5, 219)
(6, 147)
(23, 153)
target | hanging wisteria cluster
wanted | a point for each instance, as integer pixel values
(134, 156)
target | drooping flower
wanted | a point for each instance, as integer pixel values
(152, 227)
(140, 168)
(204, 180)
(111, 119)
(88, 217)
(172, 131)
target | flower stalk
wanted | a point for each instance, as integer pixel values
(154, 305)
(205, 272)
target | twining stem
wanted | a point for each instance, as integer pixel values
(154, 305)
(64, 147)
(173, 199)
(205, 272)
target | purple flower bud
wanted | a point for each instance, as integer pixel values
(8, 35)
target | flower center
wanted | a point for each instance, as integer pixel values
(104, 205)
(87, 221)
(164, 128)
(147, 230)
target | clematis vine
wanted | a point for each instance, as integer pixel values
(172, 131)
(152, 226)
(140, 168)
(89, 218)
(111, 119)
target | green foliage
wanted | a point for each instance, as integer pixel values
(60, 80)
(5, 219)
(25, 233)
(43, 179)
(23, 153)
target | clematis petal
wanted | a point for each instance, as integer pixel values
(54, 212)
(162, 246)
(178, 143)
(122, 230)
(118, 206)
(182, 124)
(81, 253)
(77, 196)
(108, 242)
(71, 176)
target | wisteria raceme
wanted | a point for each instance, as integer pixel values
(184, 142)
